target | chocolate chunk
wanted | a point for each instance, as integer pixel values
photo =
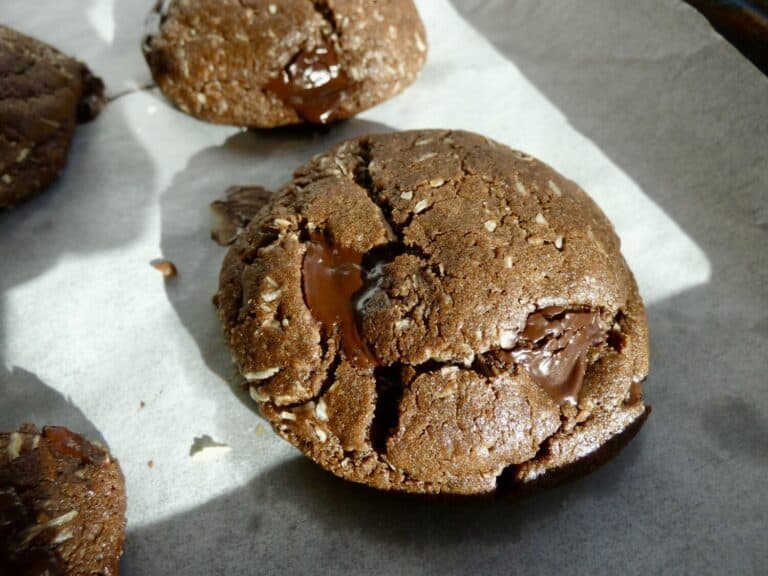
(332, 276)
(313, 85)
(229, 215)
(556, 352)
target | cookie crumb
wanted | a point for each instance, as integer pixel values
(151, 464)
(166, 268)
(205, 446)
(142, 404)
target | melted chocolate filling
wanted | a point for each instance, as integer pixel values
(312, 84)
(331, 277)
(553, 348)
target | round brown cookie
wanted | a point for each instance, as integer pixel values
(62, 504)
(432, 311)
(43, 95)
(268, 63)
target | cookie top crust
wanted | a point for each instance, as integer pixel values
(429, 310)
(269, 63)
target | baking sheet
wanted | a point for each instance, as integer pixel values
(662, 121)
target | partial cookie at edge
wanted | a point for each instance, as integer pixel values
(43, 95)
(62, 504)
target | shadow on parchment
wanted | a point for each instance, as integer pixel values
(296, 518)
(81, 212)
(25, 398)
(96, 204)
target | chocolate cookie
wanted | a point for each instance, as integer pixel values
(62, 504)
(43, 95)
(434, 312)
(268, 63)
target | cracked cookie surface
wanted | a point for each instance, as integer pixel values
(43, 95)
(269, 63)
(62, 504)
(431, 311)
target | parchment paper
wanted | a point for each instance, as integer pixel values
(657, 117)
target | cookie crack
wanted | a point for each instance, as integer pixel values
(390, 388)
(363, 178)
(507, 481)
(459, 150)
(323, 8)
